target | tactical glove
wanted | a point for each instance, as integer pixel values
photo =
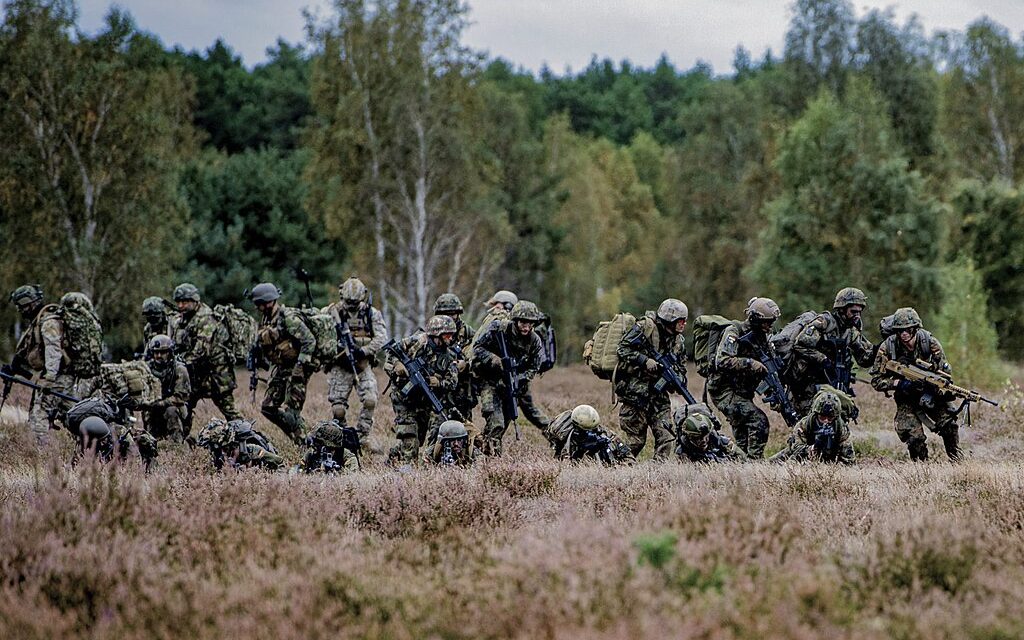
(399, 369)
(652, 365)
(757, 367)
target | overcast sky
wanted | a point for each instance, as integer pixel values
(561, 33)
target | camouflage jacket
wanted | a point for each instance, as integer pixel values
(718, 448)
(367, 325)
(633, 382)
(285, 339)
(201, 340)
(438, 361)
(926, 348)
(805, 433)
(560, 433)
(175, 385)
(495, 313)
(814, 344)
(167, 328)
(735, 358)
(41, 345)
(524, 350)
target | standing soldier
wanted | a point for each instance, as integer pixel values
(821, 435)
(166, 417)
(158, 318)
(415, 417)
(642, 406)
(288, 344)
(524, 350)
(202, 345)
(354, 313)
(738, 372)
(826, 350)
(916, 404)
(464, 397)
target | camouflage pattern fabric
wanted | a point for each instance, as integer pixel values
(200, 343)
(716, 448)
(813, 353)
(800, 446)
(288, 343)
(369, 333)
(732, 385)
(562, 432)
(166, 418)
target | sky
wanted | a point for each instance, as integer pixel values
(563, 34)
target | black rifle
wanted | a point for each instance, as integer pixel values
(414, 370)
(252, 363)
(346, 343)
(509, 406)
(550, 350)
(840, 377)
(447, 454)
(775, 394)
(10, 375)
(592, 444)
(825, 443)
(669, 379)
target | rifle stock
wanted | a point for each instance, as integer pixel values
(938, 380)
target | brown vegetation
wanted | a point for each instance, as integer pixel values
(521, 547)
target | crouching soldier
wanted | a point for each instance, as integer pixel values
(577, 434)
(167, 417)
(453, 446)
(238, 444)
(102, 427)
(821, 435)
(699, 438)
(330, 448)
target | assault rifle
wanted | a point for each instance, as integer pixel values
(825, 443)
(774, 392)
(841, 377)
(592, 444)
(924, 373)
(509, 407)
(9, 375)
(414, 370)
(549, 353)
(252, 363)
(346, 343)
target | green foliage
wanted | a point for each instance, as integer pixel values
(656, 549)
(964, 326)
(850, 212)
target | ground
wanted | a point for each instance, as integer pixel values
(522, 546)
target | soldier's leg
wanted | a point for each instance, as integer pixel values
(366, 387)
(340, 382)
(274, 399)
(39, 417)
(154, 422)
(633, 422)
(222, 392)
(664, 434)
(534, 414)
(947, 426)
(757, 429)
(406, 432)
(911, 431)
(494, 420)
(174, 424)
(730, 404)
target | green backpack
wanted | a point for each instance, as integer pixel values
(784, 340)
(601, 351)
(322, 327)
(707, 333)
(241, 330)
(83, 338)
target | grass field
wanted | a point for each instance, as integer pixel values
(521, 547)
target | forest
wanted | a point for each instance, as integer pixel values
(867, 152)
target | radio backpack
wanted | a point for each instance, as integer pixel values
(601, 351)
(707, 333)
(321, 325)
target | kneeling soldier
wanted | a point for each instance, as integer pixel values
(330, 448)
(167, 417)
(699, 438)
(453, 445)
(238, 444)
(578, 434)
(820, 435)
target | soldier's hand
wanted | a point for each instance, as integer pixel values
(399, 369)
(758, 368)
(652, 365)
(433, 381)
(495, 361)
(461, 365)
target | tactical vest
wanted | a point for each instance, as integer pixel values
(278, 347)
(31, 348)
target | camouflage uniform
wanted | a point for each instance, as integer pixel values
(288, 344)
(486, 365)
(732, 384)
(566, 437)
(454, 445)
(801, 445)
(238, 444)
(917, 405)
(414, 416)
(369, 333)
(641, 407)
(119, 437)
(331, 447)
(201, 341)
(166, 417)
(159, 320)
(699, 438)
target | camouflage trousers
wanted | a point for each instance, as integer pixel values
(941, 419)
(218, 385)
(413, 422)
(286, 395)
(802, 452)
(636, 420)
(495, 421)
(47, 408)
(166, 423)
(340, 382)
(749, 423)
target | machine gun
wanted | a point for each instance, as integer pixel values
(771, 387)
(414, 370)
(924, 373)
(509, 407)
(595, 445)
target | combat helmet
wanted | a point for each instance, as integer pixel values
(452, 430)
(215, 435)
(849, 295)
(27, 294)
(763, 309)
(328, 433)
(526, 311)
(264, 292)
(697, 425)
(448, 303)
(672, 310)
(153, 306)
(826, 404)
(440, 325)
(353, 290)
(160, 342)
(506, 298)
(94, 428)
(186, 291)
(905, 318)
(585, 417)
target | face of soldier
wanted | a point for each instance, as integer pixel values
(908, 337)
(28, 310)
(446, 339)
(266, 308)
(187, 306)
(153, 318)
(524, 327)
(825, 420)
(454, 315)
(351, 305)
(764, 326)
(161, 356)
(852, 315)
(679, 326)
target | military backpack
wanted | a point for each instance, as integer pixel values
(241, 330)
(321, 325)
(83, 340)
(601, 352)
(707, 334)
(786, 338)
(133, 379)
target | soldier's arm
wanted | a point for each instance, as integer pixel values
(380, 333)
(52, 331)
(202, 345)
(938, 356)
(449, 375)
(679, 352)
(182, 388)
(728, 358)
(484, 348)
(880, 379)
(295, 327)
(530, 365)
(862, 349)
(808, 341)
(630, 349)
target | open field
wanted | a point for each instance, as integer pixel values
(522, 547)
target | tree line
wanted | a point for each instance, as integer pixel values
(866, 153)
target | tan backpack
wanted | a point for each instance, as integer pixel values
(133, 379)
(601, 352)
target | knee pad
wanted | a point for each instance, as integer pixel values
(370, 403)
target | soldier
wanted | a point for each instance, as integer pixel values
(369, 334)
(453, 446)
(643, 407)
(821, 435)
(331, 447)
(414, 415)
(98, 425)
(158, 318)
(201, 341)
(288, 344)
(738, 372)
(524, 348)
(577, 434)
(238, 444)
(498, 307)
(916, 404)
(41, 350)
(166, 417)
(700, 439)
(465, 396)
(830, 343)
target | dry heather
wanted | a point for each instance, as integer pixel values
(521, 547)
